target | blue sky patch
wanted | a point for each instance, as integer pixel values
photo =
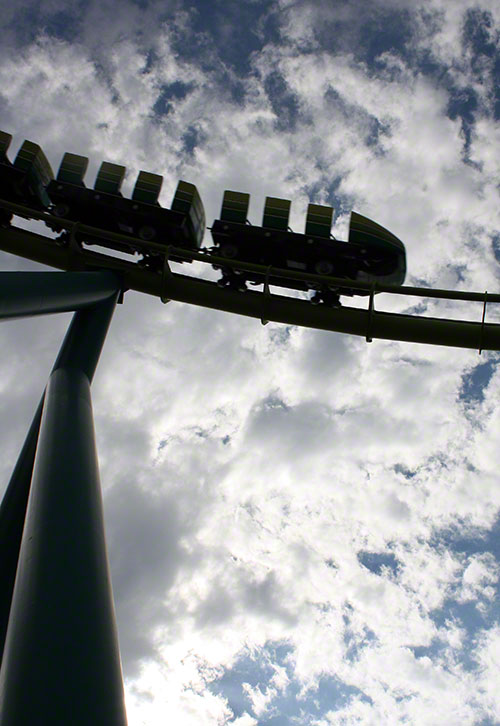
(286, 706)
(463, 104)
(191, 138)
(376, 562)
(168, 95)
(234, 30)
(471, 544)
(30, 21)
(388, 31)
(478, 34)
(327, 190)
(475, 381)
(283, 101)
(404, 471)
(366, 31)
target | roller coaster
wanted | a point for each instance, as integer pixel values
(247, 256)
(57, 624)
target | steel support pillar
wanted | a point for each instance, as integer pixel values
(33, 293)
(61, 660)
(12, 515)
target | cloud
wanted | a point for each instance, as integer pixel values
(487, 654)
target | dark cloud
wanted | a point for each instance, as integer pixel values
(290, 432)
(265, 597)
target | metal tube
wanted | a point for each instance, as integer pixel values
(24, 294)
(61, 660)
(83, 342)
(12, 515)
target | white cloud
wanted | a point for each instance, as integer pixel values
(487, 654)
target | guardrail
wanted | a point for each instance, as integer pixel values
(266, 306)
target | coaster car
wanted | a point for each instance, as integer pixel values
(140, 217)
(23, 181)
(371, 254)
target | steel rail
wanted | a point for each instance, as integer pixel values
(190, 255)
(171, 285)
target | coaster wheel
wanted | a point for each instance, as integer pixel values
(323, 267)
(147, 233)
(229, 251)
(61, 210)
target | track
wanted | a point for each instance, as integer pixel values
(266, 306)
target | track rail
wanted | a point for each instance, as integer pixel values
(265, 305)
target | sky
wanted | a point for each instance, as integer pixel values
(302, 527)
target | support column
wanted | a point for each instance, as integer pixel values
(29, 294)
(12, 515)
(61, 660)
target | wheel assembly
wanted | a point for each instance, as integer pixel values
(147, 233)
(61, 210)
(229, 251)
(323, 267)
